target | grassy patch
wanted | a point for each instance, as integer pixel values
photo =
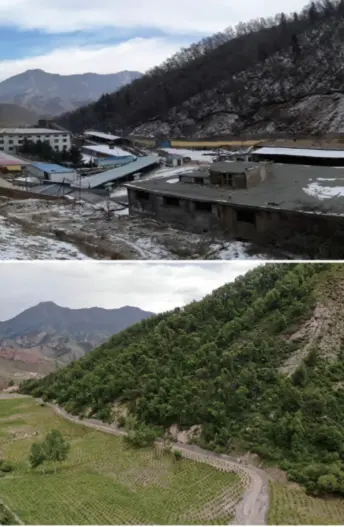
(106, 482)
(292, 506)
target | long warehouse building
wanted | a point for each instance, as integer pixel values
(120, 174)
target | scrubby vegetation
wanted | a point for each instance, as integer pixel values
(6, 518)
(54, 449)
(292, 52)
(218, 363)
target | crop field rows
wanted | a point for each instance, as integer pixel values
(292, 506)
(106, 482)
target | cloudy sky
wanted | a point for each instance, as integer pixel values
(151, 286)
(105, 36)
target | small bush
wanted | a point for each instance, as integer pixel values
(5, 466)
(177, 455)
(121, 421)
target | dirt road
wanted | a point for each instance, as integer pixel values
(251, 510)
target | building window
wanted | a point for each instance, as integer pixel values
(203, 206)
(10, 148)
(246, 216)
(10, 141)
(171, 202)
(141, 194)
(228, 179)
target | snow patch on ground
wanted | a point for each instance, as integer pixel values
(234, 251)
(320, 192)
(18, 245)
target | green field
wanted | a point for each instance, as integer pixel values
(104, 481)
(292, 506)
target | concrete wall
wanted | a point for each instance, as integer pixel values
(230, 221)
(189, 178)
(186, 214)
(221, 220)
(23, 194)
(54, 177)
(63, 177)
(247, 179)
(235, 227)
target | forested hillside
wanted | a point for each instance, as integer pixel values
(267, 75)
(258, 363)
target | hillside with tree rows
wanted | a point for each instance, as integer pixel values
(268, 75)
(258, 364)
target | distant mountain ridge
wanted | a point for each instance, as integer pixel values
(49, 94)
(47, 335)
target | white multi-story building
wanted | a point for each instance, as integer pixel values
(12, 138)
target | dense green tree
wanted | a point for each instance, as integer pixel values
(54, 448)
(217, 363)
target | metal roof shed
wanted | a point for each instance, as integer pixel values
(116, 174)
(52, 172)
(306, 156)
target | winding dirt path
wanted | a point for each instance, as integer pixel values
(251, 510)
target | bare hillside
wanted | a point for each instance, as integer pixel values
(278, 75)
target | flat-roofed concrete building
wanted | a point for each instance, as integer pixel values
(284, 195)
(12, 138)
(238, 174)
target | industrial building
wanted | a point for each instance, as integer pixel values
(49, 172)
(299, 156)
(101, 137)
(106, 151)
(252, 202)
(13, 138)
(118, 175)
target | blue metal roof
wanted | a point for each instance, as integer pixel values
(98, 180)
(51, 168)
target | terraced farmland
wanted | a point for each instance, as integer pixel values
(292, 506)
(104, 481)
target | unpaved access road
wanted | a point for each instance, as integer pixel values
(251, 510)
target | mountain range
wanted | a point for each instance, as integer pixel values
(47, 336)
(50, 94)
(267, 76)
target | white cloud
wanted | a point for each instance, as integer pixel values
(138, 54)
(179, 16)
(151, 286)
